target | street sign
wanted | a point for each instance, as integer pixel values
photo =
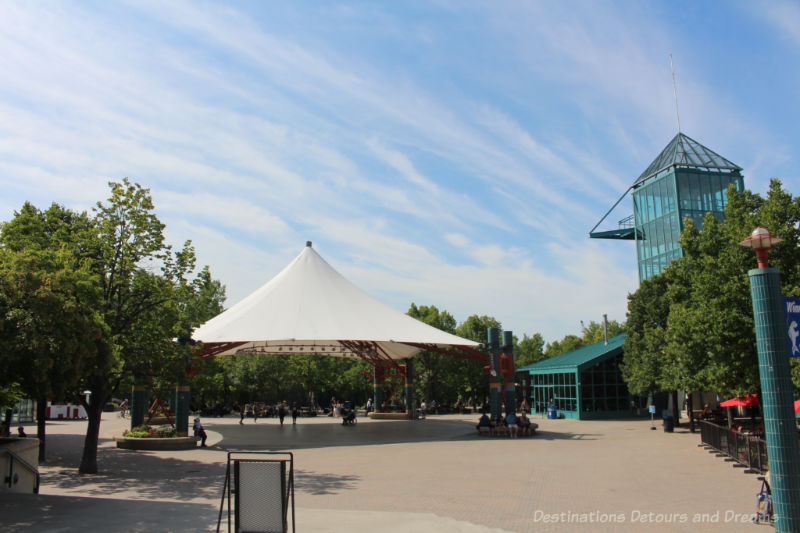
(792, 308)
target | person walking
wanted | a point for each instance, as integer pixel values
(282, 411)
(241, 414)
(294, 413)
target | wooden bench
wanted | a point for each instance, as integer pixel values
(502, 431)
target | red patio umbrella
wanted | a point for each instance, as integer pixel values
(747, 399)
(797, 406)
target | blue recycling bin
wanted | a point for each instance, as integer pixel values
(552, 412)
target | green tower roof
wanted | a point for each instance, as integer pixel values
(683, 151)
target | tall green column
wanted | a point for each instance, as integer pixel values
(409, 371)
(495, 382)
(139, 397)
(377, 389)
(776, 389)
(508, 377)
(181, 406)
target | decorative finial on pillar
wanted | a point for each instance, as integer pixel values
(761, 240)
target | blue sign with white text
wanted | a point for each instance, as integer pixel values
(792, 307)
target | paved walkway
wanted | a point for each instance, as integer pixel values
(392, 476)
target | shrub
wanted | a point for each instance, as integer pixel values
(144, 431)
(164, 432)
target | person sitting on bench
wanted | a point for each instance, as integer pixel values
(524, 424)
(511, 423)
(498, 423)
(484, 422)
(199, 431)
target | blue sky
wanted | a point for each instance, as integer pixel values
(446, 153)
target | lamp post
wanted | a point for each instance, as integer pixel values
(776, 385)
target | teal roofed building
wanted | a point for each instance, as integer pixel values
(686, 180)
(583, 384)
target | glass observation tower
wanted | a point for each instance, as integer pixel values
(686, 180)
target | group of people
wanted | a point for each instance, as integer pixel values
(281, 410)
(513, 424)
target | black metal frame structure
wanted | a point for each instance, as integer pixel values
(747, 450)
(231, 487)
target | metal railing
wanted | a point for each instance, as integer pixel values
(12, 478)
(748, 450)
(627, 222)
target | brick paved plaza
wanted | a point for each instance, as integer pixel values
(392, 476)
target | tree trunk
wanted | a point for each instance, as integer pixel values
(7, 422)
(676, 413)
(41, 414)
(94, 412)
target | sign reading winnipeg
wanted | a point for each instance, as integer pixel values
(792, 306)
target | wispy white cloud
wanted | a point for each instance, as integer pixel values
(459, 170)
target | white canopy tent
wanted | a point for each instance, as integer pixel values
(309, 308)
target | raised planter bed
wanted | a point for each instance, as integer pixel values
(154, 443)
(389, 416)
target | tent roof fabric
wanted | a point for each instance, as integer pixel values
(310, 308)
(578, 358)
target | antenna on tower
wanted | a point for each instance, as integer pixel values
(675, 92)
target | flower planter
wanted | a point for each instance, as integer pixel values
(390, 416)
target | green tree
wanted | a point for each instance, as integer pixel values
(645, 362)
(432, 367)
(529, 350)
(473, 380)
(596, 331)
(567, 344)
(48, 325)
(695, 331)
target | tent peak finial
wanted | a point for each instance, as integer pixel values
(308, 243)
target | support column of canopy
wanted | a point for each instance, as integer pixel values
(409, 372)
(181, 405)
(507, 368)
(139, 397)
(495, 385)
(377, 388)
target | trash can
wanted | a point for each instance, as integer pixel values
(552, 413)
(669, 424)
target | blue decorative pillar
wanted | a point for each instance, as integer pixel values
(139, 396)
(495, 383)
(510, 391)
(181, 407)
(409, 372)
(377, 389)
(776, 388)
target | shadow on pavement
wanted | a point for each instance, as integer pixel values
(146, 475)
(320, 484)
(31, 512)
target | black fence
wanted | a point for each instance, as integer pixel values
(747, 450)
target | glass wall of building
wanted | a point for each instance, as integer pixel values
(602, 388)
(558, 387)
(661, 204)
(583, 384)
